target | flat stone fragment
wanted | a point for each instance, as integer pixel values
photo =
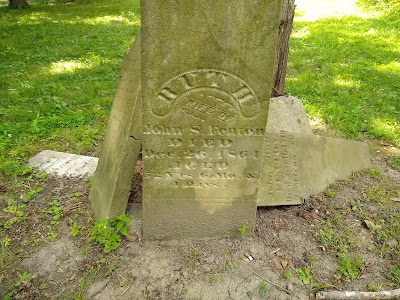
(207, 69)
(297, 166)
(286, 113)
(64, 164)
(120, 150)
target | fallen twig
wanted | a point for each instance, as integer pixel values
(273, 252)
(338, 295)
(126, 290)
(270, 282)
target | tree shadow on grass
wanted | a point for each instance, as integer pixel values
(347, 73)
(59, 67)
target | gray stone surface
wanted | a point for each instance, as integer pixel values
(64, 164)
(207, 74)
(111, 182)
(297, 166)
(286, 113)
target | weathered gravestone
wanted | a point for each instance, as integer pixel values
(207, 70)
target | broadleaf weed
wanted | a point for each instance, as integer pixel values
(108, 233)
(349, 267)
(304, 275)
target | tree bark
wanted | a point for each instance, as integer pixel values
(18, 4)
(282, 52)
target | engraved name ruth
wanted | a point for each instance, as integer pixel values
(207, 94)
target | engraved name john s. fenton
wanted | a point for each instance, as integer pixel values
(150, 129)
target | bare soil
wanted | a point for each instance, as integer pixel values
(286, 238)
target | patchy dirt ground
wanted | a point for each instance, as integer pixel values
(294, 252)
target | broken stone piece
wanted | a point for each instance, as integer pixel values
(112, 180)
(64, 164)
(296, 166)
(286, 113)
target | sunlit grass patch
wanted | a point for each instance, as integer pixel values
(59, 66)
(346, 72)
(313, 10)
(346, 82)
(127, 19)
(69, 66)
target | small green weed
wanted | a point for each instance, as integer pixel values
(338, 242)
(108, 232)
(349, 267)
(374, 173)
(316, 287)
(286, 274)
(395, 275)
(8, 296)
(243, 230)
(383, 249)
(377, 193)
(52, 235)
(17, 213)
(372, 287)
(32, 193)
(112, 267)
(42, 285)
(356, 204)
(101, 260)
(74, 230)
(88, 181)
(304, 275)
(23, 279)
(214, 279)
(329, 193)
(196, 253)
(73, 196)
(394, 162)
(55, 211)
(262, 289)
(4, 244)
(184, 291)
(232, 265)
(389, 229)
(90, 276)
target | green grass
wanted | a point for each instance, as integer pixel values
(59, 65)
(346, 71)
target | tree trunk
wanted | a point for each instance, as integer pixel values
(282, 52)
(18, 4)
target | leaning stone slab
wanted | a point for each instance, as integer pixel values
(111, 182)
(64, 164)
(286, 113)
(297, 166)
(207, 69)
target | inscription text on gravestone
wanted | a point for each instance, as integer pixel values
(207, 74)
